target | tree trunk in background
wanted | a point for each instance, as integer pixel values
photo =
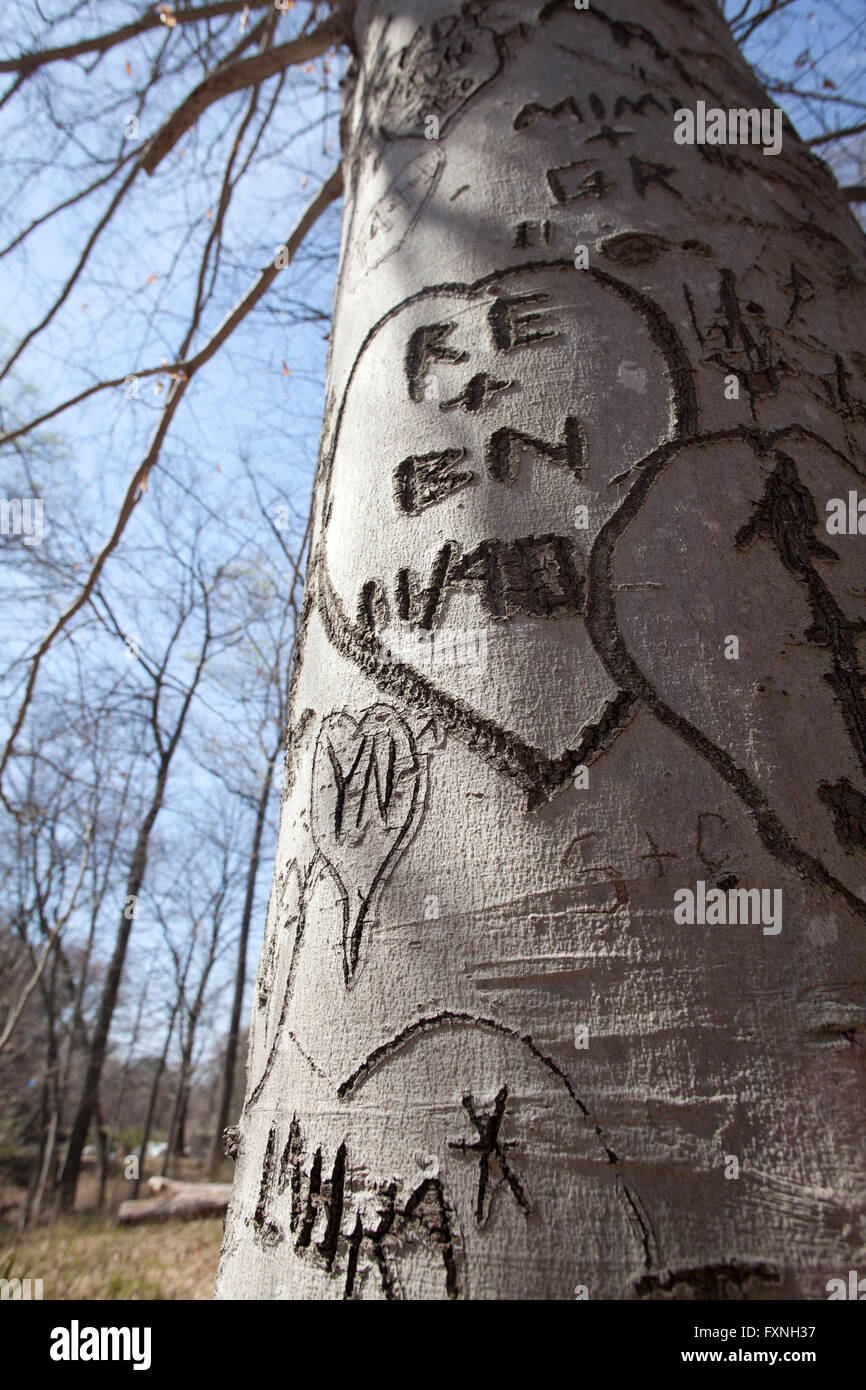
(178, 1131)
(103, 1158)
(89, 1100)
(152, 1099)
(228, 1077)
(47, 1165)
(49, 1115)
(576, 637)
(34, 1186)
(176, 1146)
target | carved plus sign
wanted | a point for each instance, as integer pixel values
(608, 133)
(489, 1146)
(476, 393)
(658, 854)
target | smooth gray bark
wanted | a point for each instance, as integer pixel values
(486, 1060)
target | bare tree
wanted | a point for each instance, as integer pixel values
(197, 602)
(270, 651)
(556, 991)
(575, 820)
(216, 909)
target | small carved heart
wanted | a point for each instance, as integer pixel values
(366, 798)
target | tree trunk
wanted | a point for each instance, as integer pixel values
(99, 1037)
(578, 651)
(176, 1144)
(34, 1185)
(49, 1115)
(103, 1158)
(228, 1078)
(152, 1099)
(111, 985)
(46, 1167)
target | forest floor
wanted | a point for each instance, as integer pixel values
(88, 1256)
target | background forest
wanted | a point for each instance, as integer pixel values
(168, 248)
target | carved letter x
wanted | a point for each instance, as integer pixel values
(487, 1145)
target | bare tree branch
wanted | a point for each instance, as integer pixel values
(79, 266)
(62, 918)
(782, 89)
(837, 134)
(327, 194)
(234, 77)
(67, 203)
(27, 63)
(745, 30)
(71, 401)
(329, 191)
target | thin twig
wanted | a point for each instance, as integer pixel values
(26, 63)
(60, 922)
(234, 77)
(837, 134)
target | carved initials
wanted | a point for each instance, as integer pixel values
(505, 447)
(424, 479)
(427, 344)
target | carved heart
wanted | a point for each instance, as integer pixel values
(805, 793)
(366, 798)
(479, 532)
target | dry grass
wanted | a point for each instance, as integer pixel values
(88, 1256)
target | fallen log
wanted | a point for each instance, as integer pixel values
(160, 1186)
(177, 1201)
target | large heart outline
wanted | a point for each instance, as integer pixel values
(536, 771)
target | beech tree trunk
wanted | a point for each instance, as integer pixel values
(576, 638)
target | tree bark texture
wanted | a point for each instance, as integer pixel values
(487, 1061)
